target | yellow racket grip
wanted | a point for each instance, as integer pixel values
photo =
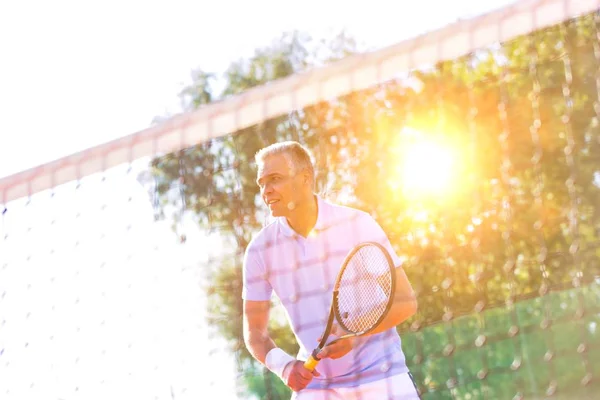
(311, 363)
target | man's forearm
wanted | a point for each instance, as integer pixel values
(403, 308)
(259, 344)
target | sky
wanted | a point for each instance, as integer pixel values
(75, 74)
(78, 73)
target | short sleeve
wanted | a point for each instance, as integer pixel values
(256, 287)
(371, 231)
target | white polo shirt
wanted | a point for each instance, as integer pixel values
(301, 272)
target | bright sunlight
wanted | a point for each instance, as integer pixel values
(427, 166)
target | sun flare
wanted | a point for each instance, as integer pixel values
(425, 166)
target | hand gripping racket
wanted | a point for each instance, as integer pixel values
(362, 295)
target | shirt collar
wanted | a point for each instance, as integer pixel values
(322, 218)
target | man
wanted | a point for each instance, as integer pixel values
(297, 257)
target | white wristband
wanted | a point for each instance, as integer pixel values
(277, 360)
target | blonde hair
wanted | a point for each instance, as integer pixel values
(299, 156)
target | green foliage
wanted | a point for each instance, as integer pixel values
(514, 363)
(522, 220)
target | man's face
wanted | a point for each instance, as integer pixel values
(280, 188)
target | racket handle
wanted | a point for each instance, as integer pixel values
(312, 362)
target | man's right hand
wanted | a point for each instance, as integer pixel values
(297, 376)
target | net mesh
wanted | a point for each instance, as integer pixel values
(364, 290)
(121, 266)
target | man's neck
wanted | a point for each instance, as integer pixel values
(304, 218)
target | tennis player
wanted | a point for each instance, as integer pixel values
(297, 258)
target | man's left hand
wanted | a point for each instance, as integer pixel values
(339, 348)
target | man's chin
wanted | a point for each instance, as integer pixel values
(275, 210)
(276, 213)
(280, 209)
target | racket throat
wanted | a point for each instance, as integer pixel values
(315, 354)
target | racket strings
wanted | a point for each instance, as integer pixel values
(364, 290)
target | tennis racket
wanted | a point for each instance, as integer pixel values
(362, 295)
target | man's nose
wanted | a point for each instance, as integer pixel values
(268, 188)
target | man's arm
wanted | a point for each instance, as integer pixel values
(259, 344)
(255, 323)
(404, 304)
